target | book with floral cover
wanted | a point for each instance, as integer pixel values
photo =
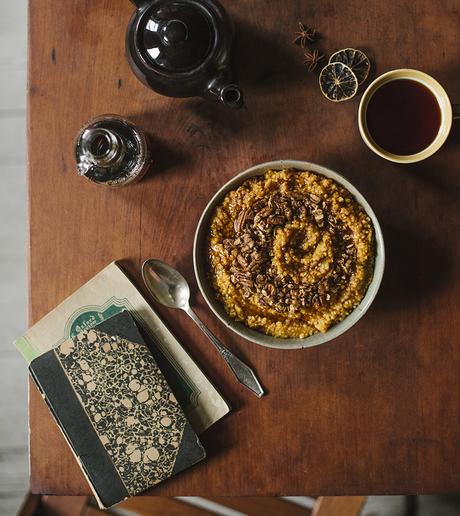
(116, 410)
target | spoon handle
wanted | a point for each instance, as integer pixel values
(244, 374)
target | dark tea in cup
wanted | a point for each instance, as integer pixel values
(403, 117)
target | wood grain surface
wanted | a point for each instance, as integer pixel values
(376, 410)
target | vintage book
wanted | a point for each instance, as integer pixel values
(106, 294)
(116, 410)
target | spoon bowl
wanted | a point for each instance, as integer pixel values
(166, 284)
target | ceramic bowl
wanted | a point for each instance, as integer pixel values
(200, 261)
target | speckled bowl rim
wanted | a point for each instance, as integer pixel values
(200, 265)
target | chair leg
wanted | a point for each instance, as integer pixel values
(261, 506)
(338, 505)
(29, 505)
(161, 506)
(64, 505)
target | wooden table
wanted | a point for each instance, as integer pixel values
(375, 411)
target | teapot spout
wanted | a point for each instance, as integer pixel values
(225, 91)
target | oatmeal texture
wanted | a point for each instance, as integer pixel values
(290, 253)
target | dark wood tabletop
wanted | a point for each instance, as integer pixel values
(375, 411)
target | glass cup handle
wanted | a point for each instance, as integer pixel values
(455, 111)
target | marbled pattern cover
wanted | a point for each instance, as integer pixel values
(131, 407)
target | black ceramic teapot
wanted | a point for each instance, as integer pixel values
(181, 48)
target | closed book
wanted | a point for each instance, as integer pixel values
(116, 410)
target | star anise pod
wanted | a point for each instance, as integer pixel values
(312, 59)
(304, 35)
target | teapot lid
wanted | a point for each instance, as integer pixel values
(177, 36)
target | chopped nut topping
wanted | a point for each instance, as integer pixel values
(271, 236)
(254, 231)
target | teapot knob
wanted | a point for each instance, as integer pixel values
(174, 32)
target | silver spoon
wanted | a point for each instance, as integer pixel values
(170, 288)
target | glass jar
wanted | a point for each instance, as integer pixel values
(112, 151)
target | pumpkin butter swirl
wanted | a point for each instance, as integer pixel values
(290, 253)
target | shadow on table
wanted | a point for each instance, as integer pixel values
(446, 179)
(264, 60)
(166, 155)
(416, 268)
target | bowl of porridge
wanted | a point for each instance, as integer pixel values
(288, 254)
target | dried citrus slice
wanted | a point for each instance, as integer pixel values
(354, 59)
(338, 82)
